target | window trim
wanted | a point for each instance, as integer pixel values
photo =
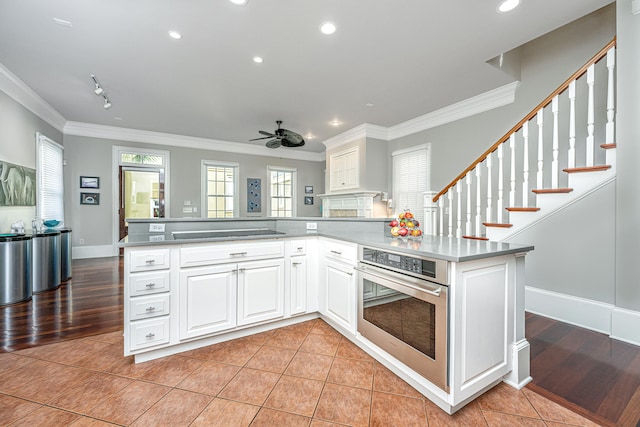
(294, 184)
(203, 185)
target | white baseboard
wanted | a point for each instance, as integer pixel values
(82, 252)
(625, 325)
(618, 323)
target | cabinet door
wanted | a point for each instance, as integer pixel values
(340, 288)
(298, 274)
(260, 291)
(344, 170)
(207, 300)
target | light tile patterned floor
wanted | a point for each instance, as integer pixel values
(301, 375)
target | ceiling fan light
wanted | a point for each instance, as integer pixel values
(98, 90)
(107, 104)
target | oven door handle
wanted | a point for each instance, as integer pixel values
(368, 270)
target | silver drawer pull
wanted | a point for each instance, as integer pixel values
(150, 309)
(350, 273)
(336, 252)
(300, 248)
(150, 335)
(241, 270)
(237, 253)
(150, 285)
(297, 263)
(150, 261)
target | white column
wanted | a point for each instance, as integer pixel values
(571, 159)
(459, 209)
(554, 161)
(478, 201)
(467, 230)
(430, 224)
(500, 205)
(525, 166)
(591, 73)
(539, 175)
(441, 224)
(450, 198)
(512, 192)
(610, 129)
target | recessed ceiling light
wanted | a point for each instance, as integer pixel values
(258, 59)
(328, 28)
(309, 136)
(239, 2)
(508, 5)
(335, 123)
(174, 34)
(369, 104)
(62, 22)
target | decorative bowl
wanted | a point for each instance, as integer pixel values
(50, 223)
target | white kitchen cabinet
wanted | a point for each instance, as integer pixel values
(344, 170)
(340, 294)
(207, 300)
(298, 284)
(260, 291)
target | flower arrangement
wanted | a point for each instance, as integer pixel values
(406, 226)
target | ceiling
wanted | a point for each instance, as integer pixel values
(388, 62)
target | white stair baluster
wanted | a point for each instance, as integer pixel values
(525, 166)
(610, 129)
(539, 175)
(512, 193)
(450, 198)
(591, 72)
(478, 202)
(467, 230)
(441, 209)
(571, 159)
(500, 205)
(459, 209)
(554, 162)
(489, 214)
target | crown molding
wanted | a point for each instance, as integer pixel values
(364, 130)
(158, 138)
(486, 101)
(24, 95)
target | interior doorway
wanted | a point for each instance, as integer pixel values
(141, 195)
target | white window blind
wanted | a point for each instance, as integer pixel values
(411, 180)
(50, 179)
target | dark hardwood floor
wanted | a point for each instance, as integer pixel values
(585, 371)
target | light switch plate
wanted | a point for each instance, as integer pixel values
(156, 228)
(312, 226)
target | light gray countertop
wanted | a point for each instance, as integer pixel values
(445, 248)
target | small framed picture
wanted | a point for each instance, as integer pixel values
(89, 198)
(308, 200)
(308, 189)
(89, 182)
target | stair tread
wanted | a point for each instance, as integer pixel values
(523, 209)
(588, 169)
(497, 224)
(552, 190)
(475, 237)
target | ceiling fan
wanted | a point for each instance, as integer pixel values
(280, 136)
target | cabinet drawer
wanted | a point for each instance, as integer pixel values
(149, 283)
(151, 306)
(192, 256)
(340, 251)
(150, 259)
(297, 247)
(149, 333)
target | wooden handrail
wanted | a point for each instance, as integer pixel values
(596, 58)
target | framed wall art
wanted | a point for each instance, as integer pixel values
(89, 182)
(89, 198)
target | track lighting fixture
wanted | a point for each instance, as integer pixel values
(107, 104)
(98, 90)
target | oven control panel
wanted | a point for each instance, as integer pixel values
(416, 266)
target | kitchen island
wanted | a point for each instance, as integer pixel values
(182, 294)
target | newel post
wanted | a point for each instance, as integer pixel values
(430, 214)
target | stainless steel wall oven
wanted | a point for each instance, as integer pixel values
(403, 309)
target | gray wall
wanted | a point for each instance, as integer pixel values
(18, 127)
(628, 155)
(92, 156)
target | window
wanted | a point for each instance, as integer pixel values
(282, 182)
(411, 178)
(141, 159)
(220, 189)
(50, 179)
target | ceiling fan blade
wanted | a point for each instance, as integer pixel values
(274, 143)
(265, 133)
(257, 139)
(292, 137)
(287, 143)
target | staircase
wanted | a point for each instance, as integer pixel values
(499, 194)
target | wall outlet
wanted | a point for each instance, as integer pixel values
(156, 238)
(156, 228)
(312, 226)
(81, 241)
(195, 209)
(187, 202)
(187, 209)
